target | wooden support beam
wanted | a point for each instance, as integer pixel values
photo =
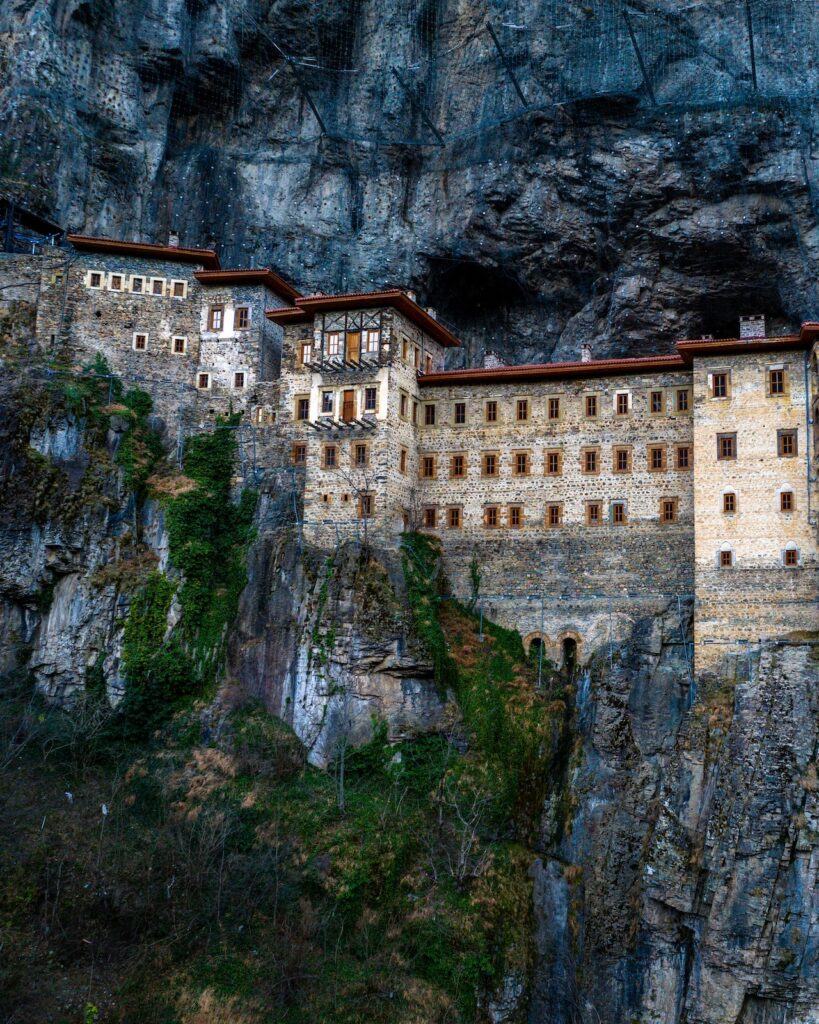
(417, 106)
(640, 61)
(506, 64)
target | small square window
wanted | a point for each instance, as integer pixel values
(786, 443)
(786, 503)
(239, 379)
(329, 456)
(554, 463)
(454, 518)
(622, 405)
(299, 454)
(520, 463)
(428, 467)
(554, 408)
(137, 285)
(791, 556)
(719, 385)
(241, 318)
(668, 510)
(656, 458)
(140, 342)
(216, 318)
(682, 457)
(622, 460)
(729, 503)
(460, 413)
(491, 517)
(457, 466)
(594, 513)
(522, 409)
(430, 518)
(554, 516)
(726, 559)
(157, 286)
(726, 446)
(203, 381)
(303, 408)
(683, 400)
(491, 412)
(618, 513)
(179, 289)
(429, 415)
(94, 280)
(370, 399)
(116, 283)
(515, 517)
(179, 346)
(490, 464)
(656, 403)
(591, 407)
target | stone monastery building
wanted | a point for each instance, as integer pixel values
(584, 493)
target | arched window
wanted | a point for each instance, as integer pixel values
(790, 556)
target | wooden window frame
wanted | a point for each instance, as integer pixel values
(496, 514)
(782, 393)
(90, 280)
(791, 501)
(522, 405)
(323, 394)
(403, 461)
(496, 457)
(454, 511)
(527, 459)
(678, 393)
(179, 351)
(782, 437)
(674, 504)
(553, 452)
(429, 517)
(589, 505)
(157, 294)
(305, 348)
(298, 447)
(712, 386)
(592, 398)
(430, 414)
(403, 405)
(337, 343)
(371, 337)
(212, 314)
(141, 289)
(650, 450)
(790, 558)
(548, 524)
(729, 498)
(297, 403)
(423, 460)
(689, 448)
(243, 374)
(326, 464)
(140, 334)
(354, 448)
(199, 375)
(622, 449)
(732, 438)
(619, 395)
(236, 317)
(623, 518)
(557, 409)
(584, 455)
(370, 390)
(366, 505)
(486, 416)
(120, 277)
(725, 559)
(455, 407)
(452, 474)
(515, 511)
(184, 286)
(655, 394)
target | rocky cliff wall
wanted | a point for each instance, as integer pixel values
(606, 217)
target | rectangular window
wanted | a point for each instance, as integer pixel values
(719, 385)
(520, 463)
(404, 349)
(427, 363)
(590, 460)
(457, 466)
(460, 413)
(137, 285)
(491, 412)
(95, 280)
(729, 503)
(178, 346)
(726, 559)
(239, 379)
(682, 457)
(656, 402)
(372, 341)
(179, 289)
(299, 454)
(591, 407)
(522, 409)
(327, 403)
(416, 358)
(116, 283)
(402, 460)
(491, 517)
(594, 513)
(157, 286)
(656, 458)
(306, 353)
(402, 406)
(428, 467)
(302, 407)
(370, 399)
(203, 381)
(776, 382)
(622, 405)
(329, 456)
(361, 455)
(786, 501)
(430, 518)
(140, 342)
(668, 510)
(490, 464)
(454, 518)
(366, 506)
(241, 318)
(334, 343)
(683, 400)
(554, 408)
(618, 513)
(429, 415)
(216, 318)
(554, 516)
(515, 517)
(554, 463)
(786, 443)
(414, 412)
(621, 460)
(791, 556)
(726, 446)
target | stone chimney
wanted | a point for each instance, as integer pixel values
(585, 352)
(173, 239)
(432, 312)
(752, 326)
(411, 295)
(491, 360)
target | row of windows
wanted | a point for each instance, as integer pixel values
(204, 379)
(777, 383)
(787, 445)
(178, 345)
(514, 517)
(658, 403)
(788, 557)
(136, 284)
(730, 502)
(342, 404)
(351, 347)
(331, 455)
(591, 461)
(216, 318)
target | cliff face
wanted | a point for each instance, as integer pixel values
(599, 214)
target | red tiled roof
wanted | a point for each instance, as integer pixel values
(545, 371)
(307, 305)
(269, 278)
(173, 254)
(737, 346)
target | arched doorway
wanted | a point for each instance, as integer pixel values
(569, 652)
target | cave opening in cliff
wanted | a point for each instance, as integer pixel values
(464, 290)
(719, 313)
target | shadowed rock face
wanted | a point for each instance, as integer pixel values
(604, 218)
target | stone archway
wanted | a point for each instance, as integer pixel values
(533, 641)
(569, 646)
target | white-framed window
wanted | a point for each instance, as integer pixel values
(239, 378)
(203, 380)
(116, 282)
(95, 279)
(371, 341)
(137, 286)
(179, 289)
(157, 286)
(140, 341)
(179, 345)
